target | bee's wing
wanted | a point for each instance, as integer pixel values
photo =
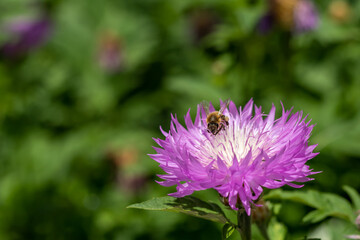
(205, 106)
(224, 106)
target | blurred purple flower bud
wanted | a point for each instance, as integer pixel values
(261, 213)
(133, 184)
(202, 23)
(292, 15)
(283, 11)
(305, 16)
(110, 57)
(123, 157)
(26, 35)
(265, 24)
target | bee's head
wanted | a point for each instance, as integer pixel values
(213, 127)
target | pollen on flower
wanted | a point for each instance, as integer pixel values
(253, 151)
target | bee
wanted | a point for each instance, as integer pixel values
(216, 121)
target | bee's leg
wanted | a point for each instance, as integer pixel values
(217, 131)
(225, 120)
(224, 123)
(222, 127)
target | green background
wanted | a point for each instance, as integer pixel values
(74, 137)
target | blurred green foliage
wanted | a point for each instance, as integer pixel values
(74, 133)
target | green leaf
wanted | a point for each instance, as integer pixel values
(315, 216)
(188, 205)
(354, 195)
(326, 204)
(227, 231)
(333, 228)
(276, 230)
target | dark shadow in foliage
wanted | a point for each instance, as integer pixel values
(38, 214)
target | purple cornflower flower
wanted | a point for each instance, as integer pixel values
(295, 15)
(249, 154)
(26, 35)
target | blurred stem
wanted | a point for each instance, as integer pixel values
(263, 230)
(244, 224)
(287, 69)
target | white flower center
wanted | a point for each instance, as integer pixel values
(234, 141)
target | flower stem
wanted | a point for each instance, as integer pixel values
(244, 224)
